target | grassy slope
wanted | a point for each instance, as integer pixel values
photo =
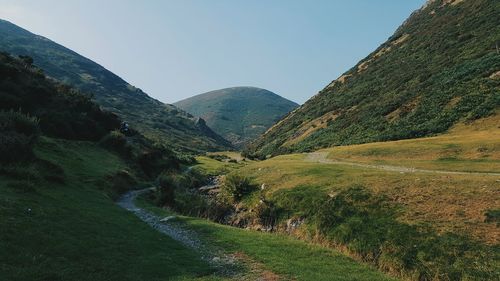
(154, 119)
(471, 148)
(448, 202)
(75, 232)
(239, 114)
(455, 203)
(288, 257)
(439, 68)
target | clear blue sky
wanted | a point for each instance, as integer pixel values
(176, 49)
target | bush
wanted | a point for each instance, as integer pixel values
(219, 157)
(235, 186)
(116, 141)
(165, 190)
(493, 216)
(120, 182)
(18, 133)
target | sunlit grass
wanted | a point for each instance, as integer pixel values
(290, 258)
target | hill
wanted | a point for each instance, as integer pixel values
(439, 68)
(63, 163)
(151, 117)
(239, 114)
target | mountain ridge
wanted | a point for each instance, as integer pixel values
(153, 118)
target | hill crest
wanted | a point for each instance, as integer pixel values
(239, 114)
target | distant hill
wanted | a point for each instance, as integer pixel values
(154, 119)
(441, 66)
(239, 114)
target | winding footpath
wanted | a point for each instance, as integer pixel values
(321, 157)
(219, 260)
(182, 235)
(228, 266)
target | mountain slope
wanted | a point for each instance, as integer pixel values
(442, 66)
(239, 114)
(153, 118)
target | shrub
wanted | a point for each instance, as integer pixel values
(219, 157)
(18, 133)
(235, 186)
(117, 142)
(120, 182)
(267, 213)
(165, 190)
(493, 216)
(153, 161)
(194, 178)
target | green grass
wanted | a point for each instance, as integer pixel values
(74, 231)
(209, 166)
(283, 255)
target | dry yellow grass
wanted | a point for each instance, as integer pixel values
(471, 148)
(448, 202)
(454, 203)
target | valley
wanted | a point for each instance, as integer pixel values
(390, 172)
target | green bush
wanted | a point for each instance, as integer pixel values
(18, 133)
(165, 190)
(493, 216)
(116, 141)
(119, 183)
(219, 157)
(235, 186)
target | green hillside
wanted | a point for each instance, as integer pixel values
(151, 117)
(441, 67)
(239, 114)
(63, 164)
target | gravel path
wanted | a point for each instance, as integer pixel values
(174, 230)
(235, 266)
(321, 157)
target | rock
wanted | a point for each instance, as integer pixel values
(293, 223)
(208, 187)
(165, 219)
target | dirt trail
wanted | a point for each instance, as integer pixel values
(321, 157)
(186, 237)
(228, 266)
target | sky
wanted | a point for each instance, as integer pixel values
(174, 49)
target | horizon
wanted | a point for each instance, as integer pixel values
(293, 52)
